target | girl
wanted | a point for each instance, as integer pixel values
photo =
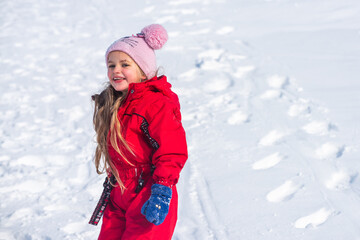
(140, 140)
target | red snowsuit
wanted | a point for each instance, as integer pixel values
(151, 125)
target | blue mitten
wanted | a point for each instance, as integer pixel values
(157, 207)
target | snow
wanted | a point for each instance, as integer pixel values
(270, 102)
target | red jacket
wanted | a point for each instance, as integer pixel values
(151, 125)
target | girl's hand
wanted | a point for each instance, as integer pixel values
(157, 207)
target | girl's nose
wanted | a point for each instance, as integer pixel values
(117, 69)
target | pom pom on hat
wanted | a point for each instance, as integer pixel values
(155, 36)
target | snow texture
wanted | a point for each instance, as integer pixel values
(270, 101)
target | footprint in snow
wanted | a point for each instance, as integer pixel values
(271, 94)
(225, 30)
(210, 59)
(268, 161)
(238, 117)
(329, 150)
(217, 83)
(276, 83)
(315, 219)
(318, 127)
(339, 180)
(272, 138)
(299, 108)
(284, 192)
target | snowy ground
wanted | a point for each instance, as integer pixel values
(270, 103)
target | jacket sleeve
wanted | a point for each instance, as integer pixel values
(166, 129)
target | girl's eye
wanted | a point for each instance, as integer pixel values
(111, 66)
(125, 65)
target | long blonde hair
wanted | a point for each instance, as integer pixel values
(105, 119)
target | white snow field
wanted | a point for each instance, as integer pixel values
(270, 96)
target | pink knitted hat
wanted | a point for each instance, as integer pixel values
(141, 47)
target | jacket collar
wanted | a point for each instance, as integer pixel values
(156, 84)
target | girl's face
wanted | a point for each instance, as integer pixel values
(122, 71)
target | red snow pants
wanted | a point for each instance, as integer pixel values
(123, 220)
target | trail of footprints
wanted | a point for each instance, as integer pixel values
(298, 108)
(219, 82)
(328, 150)
(218, 85)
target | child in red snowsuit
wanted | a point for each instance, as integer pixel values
(141, 141)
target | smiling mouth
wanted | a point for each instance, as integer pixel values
(118, 79)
